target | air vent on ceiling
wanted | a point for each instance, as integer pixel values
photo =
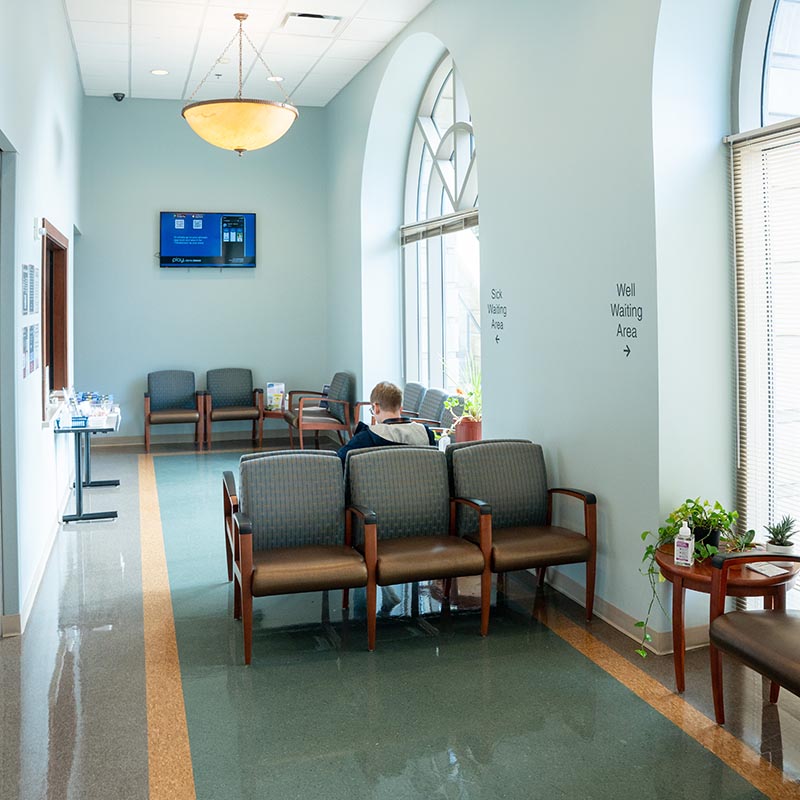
(310, 24)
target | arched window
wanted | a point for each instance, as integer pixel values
(781, 92)
(440, 237)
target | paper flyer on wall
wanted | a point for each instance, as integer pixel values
(24, 351)
(24, 288)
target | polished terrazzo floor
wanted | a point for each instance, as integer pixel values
(128, 682)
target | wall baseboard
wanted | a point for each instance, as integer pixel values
(10, 625)
(661, 644)
(181, 438)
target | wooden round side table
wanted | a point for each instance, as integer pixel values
(742, 582)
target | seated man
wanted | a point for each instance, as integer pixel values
(390, 427)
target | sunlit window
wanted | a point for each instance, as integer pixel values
(781, 96)
(440, 237)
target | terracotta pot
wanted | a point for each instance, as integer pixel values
(468, 430)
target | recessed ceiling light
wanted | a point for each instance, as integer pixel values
(159, 72)
(274, 78)
(223, 61)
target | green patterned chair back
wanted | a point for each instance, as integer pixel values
(293, 499)
(230, 387)
(432, 406)
(412, 397)
(405, 486)
(171, 388)
(341, 389)
(509, 474)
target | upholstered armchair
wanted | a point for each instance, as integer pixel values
(431, 409)
(510, 476)
(171, 399)
(285, 530)
(311, 411)
(230, 396)
(413, 394)
(767, 640)
(400, 502)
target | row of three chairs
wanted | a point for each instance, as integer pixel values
(171, 398)
(411, 514)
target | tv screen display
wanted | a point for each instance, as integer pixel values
(195, 239)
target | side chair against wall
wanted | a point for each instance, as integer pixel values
(432, 410)
(767, 641)
(510, 476)
(171, 399)
(304, 412)
(413, 394)
(230, 396)
(285, 530)
(399, 498)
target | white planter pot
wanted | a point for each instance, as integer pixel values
(783, 550)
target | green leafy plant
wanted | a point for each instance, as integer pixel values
(468, 396)
(781, 533)
(699, 516)
(739, 542)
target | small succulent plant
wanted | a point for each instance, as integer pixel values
(780, 533)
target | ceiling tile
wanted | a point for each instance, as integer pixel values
(394, 10)
(100, 32)
(281, 63)
(372, 30)
(166, 15)
(258, 24)
(114, 71)
(300, 45)
(313, 98)
(98, 10)
(96, 52)
(364, 51)
(339, 67)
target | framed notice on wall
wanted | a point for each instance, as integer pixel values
(37, 289)
(35, 362)
(24, 351)
(25, 288)
(31, 289)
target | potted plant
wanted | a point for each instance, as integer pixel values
(469, 402)
(780, 536)
(708, 522)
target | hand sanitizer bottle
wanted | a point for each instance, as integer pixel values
(684, 547)
(444, 442)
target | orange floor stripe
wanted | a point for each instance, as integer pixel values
(169, 756)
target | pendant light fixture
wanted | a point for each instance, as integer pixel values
(239, 123)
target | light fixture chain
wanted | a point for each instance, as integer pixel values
(241, 31)
(266, 66)
(213, 67)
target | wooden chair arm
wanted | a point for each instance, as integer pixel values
(589, 510)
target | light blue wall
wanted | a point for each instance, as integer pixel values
(691, 114)
(562, 103)
(131, 317)
(40, 123)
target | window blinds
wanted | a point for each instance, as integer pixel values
(765, 178)
(450, 223)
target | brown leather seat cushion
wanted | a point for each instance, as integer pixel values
(536, 546)
(420, 558)
(234, 412)
(767, 641)
(307, 569)
(173, 415)
(311, 416)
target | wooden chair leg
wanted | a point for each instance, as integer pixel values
(590, 575)
(228, 552)
(300, 436)
(237, 598)
(541, 574)
(448, 584)
(208, 433)
(146, 435)
(716, 684)
(345, 599)
(316, 440)
(247, 623)
(774, 689)
(486, 599)
(372, 601)
(260, 432)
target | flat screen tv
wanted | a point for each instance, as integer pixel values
(203, 239)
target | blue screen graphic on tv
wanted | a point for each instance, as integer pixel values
(194, 239)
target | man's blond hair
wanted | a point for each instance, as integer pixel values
(388, 396)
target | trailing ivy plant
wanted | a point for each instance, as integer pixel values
(703, 516)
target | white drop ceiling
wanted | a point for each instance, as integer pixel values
(119, 42)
